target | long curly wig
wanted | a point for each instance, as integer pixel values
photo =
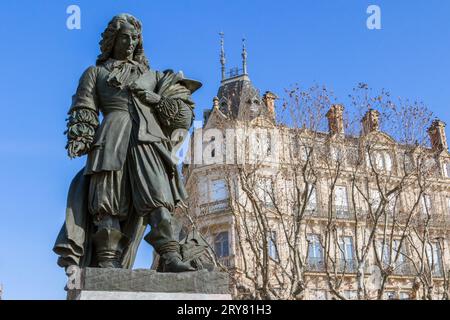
(109, 39)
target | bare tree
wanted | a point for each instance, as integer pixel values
(331, 192)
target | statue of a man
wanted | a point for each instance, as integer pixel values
(130, 179)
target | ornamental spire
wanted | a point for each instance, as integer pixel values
(222, 54)
(244, 57)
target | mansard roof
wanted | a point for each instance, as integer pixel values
(239, 99)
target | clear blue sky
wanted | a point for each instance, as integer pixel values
(288, 41)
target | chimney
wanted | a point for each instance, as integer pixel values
(371, 121)
(269, 100)
(437, 135)
(336, 119)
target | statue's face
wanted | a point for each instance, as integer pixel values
(126, 41)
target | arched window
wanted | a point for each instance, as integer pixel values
(381, 160)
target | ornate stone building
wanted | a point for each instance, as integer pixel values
(294, 213)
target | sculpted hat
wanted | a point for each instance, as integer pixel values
(191, 85)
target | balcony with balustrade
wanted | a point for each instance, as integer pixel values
(315, 265)
(342, 212)
(313, 212)
(404, 269)
(407, 269)
(439, 220)
(339, 212)
(343, 266)
(215, 207)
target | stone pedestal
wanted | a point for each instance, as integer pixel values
(143, 284)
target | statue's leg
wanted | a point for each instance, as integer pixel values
(108, 203)
(153, 198)
(109, 242)
(163, 240)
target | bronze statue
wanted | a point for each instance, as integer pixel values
(130, 179)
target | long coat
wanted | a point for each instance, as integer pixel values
(109, 149)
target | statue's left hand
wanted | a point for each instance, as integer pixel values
(146, 96)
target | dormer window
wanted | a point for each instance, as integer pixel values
(213, 150)
(253, 101)
(223, 105)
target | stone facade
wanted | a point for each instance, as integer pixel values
(215, 205)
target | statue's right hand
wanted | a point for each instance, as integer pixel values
(76, 149)
(147, 96)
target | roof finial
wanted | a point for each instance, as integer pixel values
(222, 54)
(244, 57)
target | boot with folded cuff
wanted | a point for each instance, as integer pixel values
(109, 245)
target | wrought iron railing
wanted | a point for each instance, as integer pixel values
(346, 265)
(339, 212)
(407, 269)
(315, 264)
(340, 265)
(404, 269)
(347, 213)
(350, 266)
(342, 212)
(310, 211)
